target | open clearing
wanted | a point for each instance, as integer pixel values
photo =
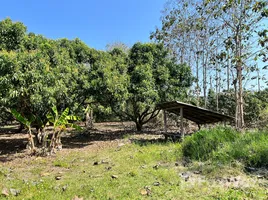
(112, 162)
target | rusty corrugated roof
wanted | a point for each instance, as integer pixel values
(194, 113)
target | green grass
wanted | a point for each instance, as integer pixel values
(200, 146)
(224, 145)
(249, 148)
(148, 171)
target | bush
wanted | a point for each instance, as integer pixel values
(225, 145)
(251, 149)
(201, 145)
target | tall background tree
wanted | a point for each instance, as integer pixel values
(228, 40)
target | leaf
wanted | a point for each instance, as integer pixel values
(31, 118)
(63, 117)
(39, 121)
(50, 117)
(54, 109)
(76, 127)
(73, 118)
(20, 118)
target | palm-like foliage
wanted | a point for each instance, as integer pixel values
(27, 122)
(60, 123)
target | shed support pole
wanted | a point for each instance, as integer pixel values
(181, 125)
(165, 121)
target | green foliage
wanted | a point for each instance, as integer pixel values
(223, 41)
(28, 123)
(28, 76)
(255, 106)
(127, 83)
(201, 145)
(224, 146)
(251, 149)
(11, 35)
(23, 120)
(132, 84)
(263, 123)
(62, 121)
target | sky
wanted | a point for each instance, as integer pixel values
(96, 22)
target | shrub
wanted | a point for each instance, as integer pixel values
(225, 145)
(251, 149)
(201, 145)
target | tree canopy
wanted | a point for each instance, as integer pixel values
(38, 73)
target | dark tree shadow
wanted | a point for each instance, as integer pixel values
(82, 139)
(12, 143)
(163, 139)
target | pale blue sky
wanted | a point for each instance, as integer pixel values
(96, 22)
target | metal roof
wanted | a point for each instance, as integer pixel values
(196, 114)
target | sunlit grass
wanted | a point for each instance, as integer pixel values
(132, 171)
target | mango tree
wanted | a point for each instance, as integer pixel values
(132, 83)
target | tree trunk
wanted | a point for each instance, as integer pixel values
(204, 77)
(197, 79)
(217, 75)
(240, 106)
(236, 104)
(30, 144)
(240, 99)
(44, 138)
(139, 126)
(89, 119)
(58, 144)
(228, 67)
(53, 141)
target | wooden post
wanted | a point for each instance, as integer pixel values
(181, 125)
(165, 121)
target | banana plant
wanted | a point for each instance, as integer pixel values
(60, 123)
(89, 116)
(27, 122)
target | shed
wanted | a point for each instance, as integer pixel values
(194, 113)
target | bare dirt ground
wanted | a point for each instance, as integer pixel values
(13, 144)
(107, 134)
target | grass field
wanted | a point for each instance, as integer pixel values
(127, 168)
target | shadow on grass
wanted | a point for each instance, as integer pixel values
(12, 143)
(166, 138)
(80, 140)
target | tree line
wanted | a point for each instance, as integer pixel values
(37, 73)
(204, 53)
(224, 42)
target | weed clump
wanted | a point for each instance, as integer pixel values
(201, 145)
(250, 148)
(225, 145)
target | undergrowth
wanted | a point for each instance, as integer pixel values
(225, 145)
